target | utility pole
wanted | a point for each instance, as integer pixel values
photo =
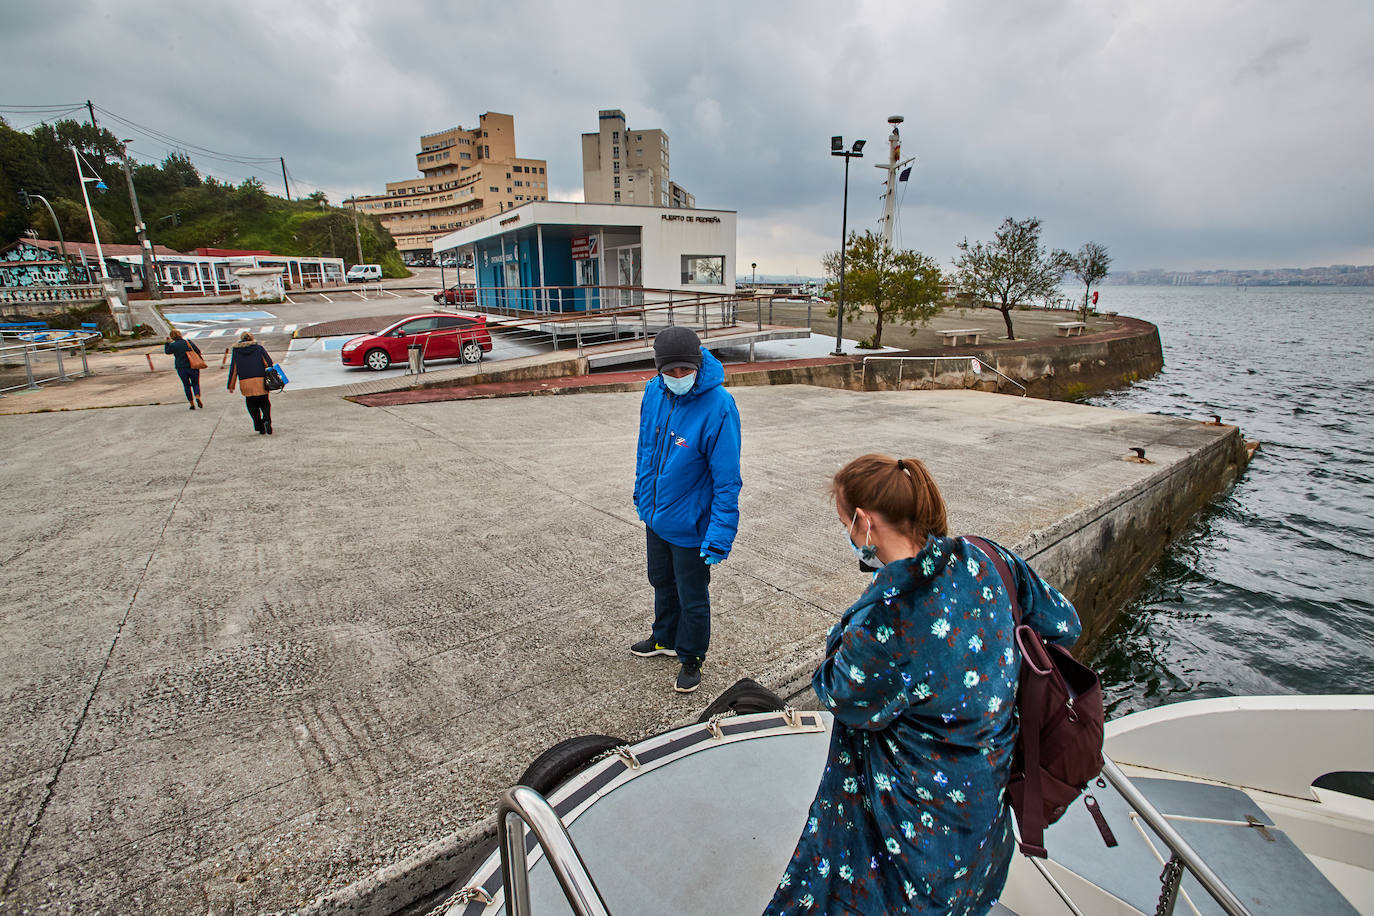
(283, 177)
(91, 108)
(894, 153)
(150, 279)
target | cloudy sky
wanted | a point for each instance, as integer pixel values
(1180, 133)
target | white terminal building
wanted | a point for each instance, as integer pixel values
(552, 256)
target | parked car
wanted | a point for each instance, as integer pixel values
(464, 338)
(456, 294)
(362, 273)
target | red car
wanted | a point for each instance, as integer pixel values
(461, 337)
(456, 294)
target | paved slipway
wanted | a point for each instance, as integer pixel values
(242, 673)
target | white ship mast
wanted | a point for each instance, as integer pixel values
(894, 162)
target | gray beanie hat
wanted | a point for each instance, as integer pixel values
(677, 346)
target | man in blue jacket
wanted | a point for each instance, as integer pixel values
(687, 484)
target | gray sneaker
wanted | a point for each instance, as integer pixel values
(689, 677)
(647, 647)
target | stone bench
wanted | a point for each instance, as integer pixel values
(962, 336)
(1070, 328)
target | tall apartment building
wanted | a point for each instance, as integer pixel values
(623, 166)
(465, 176)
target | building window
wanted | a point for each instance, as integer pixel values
(615, 152)
(703, 269)
(494, 190)
(617, 181)
(617, 197)
(541, 171)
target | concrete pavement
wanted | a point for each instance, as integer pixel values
(240, 673)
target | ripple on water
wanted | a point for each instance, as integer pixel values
(1269, 591)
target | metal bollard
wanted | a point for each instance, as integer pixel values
(417, 360)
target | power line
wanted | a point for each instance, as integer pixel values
(155, 134)
(51, 117)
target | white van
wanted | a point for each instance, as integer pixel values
(362, 273)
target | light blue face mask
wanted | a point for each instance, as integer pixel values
(682, 385)
(868, 553)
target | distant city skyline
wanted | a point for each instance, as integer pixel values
(1188, 137)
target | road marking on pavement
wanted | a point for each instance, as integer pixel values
(326, 298)
(218, 333)
(287, 329)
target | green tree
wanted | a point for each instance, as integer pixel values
(898, 285)
(1090, 266)
(1012, 269)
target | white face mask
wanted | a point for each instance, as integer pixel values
(680, 385)
(868, 553)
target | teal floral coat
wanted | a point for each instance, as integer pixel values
(920, 675)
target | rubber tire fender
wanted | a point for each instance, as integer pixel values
(744, 697)
(564, 760)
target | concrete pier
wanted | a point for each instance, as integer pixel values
(242, 673)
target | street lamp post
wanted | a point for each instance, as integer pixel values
(100, 185)
(856, 152)
(61, 240)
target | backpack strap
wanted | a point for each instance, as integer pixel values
(1030, 704)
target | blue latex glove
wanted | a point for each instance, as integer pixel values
(712, 558)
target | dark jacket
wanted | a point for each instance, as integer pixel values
(179, 349)
(248, 362)
(687, 475)
(920, 673)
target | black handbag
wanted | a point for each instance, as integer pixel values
(271, 379)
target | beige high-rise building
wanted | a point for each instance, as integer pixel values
(623, 166)
(465, 176)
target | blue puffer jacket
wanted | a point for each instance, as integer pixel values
(687, 477)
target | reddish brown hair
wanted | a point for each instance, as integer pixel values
(901, 490)
(175, 334)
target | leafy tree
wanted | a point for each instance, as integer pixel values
(902, 286)
(76, 226)
(1090, 266)
(1012, 269)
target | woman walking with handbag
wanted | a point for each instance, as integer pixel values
(920, 673)
(188, 361)
(249, 363)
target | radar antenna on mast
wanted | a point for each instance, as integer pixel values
(894, 162)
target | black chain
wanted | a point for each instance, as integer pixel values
(1170, 878)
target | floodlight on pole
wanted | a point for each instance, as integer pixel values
(855, 152)
(99, 186)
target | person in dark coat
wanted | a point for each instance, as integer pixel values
(178, 346)
(248, 362)
(920, 673)
(687, 483)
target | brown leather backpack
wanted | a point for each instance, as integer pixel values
(1059, 743)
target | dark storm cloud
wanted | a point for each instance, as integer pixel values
(1179, 134)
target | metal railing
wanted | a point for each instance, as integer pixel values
(34, 354)
(654, 310)
(1182, 854)
(523, 804)
(972, 366)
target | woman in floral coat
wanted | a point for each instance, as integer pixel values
(920, 674)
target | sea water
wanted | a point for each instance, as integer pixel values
(1271, 590)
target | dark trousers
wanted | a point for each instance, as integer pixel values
(260, 409)
(190, 380)
(682, 600)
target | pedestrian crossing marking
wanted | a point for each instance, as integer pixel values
(220, 332)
